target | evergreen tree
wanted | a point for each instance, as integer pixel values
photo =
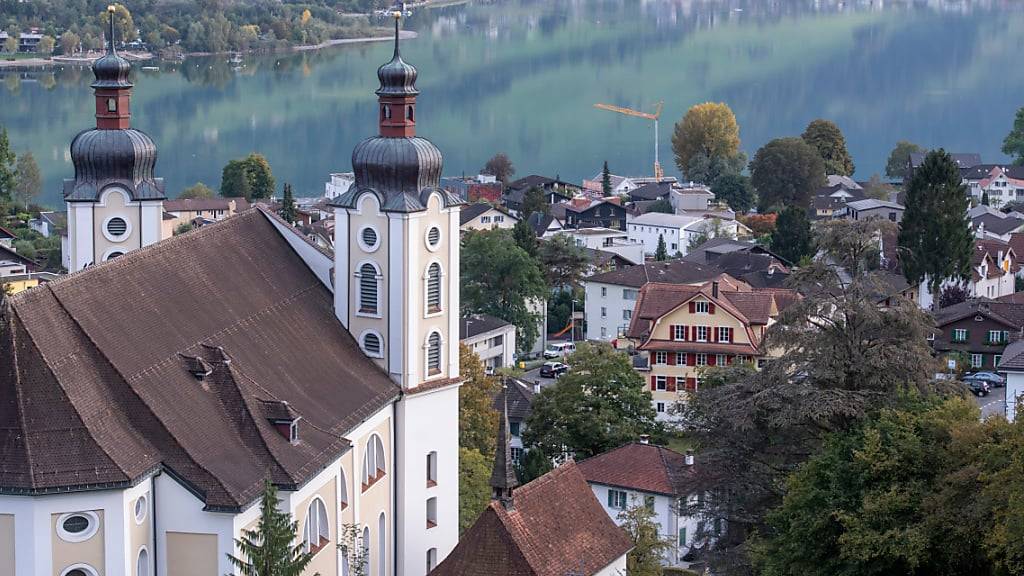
(791, 238)
(606, 180)
(1013, 145)
(288, 211)
(661, 253)
(7, 179)
(267, 550)
(830, 143)
(535, 200)
(935, 239)
(525, 237)
(984, 199)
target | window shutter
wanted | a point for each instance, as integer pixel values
(671, 384)
(691, 384)
(729, 359)
(686, 332)
(693, 307)
(711, 308)
(671, 359)
(672, 332)
(691, 359)
(611, 500)
(368, 289)
(434, 288)
(712, 360)
(730, 334)
(654, 383)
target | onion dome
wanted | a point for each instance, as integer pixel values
(111, 71)
(403, 165)
(122, 157)
(397, 77)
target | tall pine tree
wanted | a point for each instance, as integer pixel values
(288, 204)
(267, 550)
(661, 252)
(935, 239)
(525, 237)
(791, 238)
(606, 180)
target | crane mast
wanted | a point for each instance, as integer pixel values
(658, 173)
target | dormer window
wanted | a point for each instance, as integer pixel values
(283, 419)
(197, 367)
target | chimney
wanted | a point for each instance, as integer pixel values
(714, 289)
(689, 457)
(645, 438)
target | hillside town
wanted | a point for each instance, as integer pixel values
(763, 366)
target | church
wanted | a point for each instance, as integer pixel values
(145, 399)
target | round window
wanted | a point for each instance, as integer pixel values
(77, 526)
(114, 254)
(140, 509)
(368, 239)
(76, 572)
(117, 226)
(433, 237)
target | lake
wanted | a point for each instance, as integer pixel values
(521, 77)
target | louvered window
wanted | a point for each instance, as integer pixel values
(369, 238)
(434, 354)
(371, 345)
(117, 227)
(434, 288)
(368, 289)
(434, 236)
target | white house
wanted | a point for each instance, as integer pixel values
(641, 473)
(492, 339)
(678, 231)
(484, 216)
(339, 184)
(607, 240)
(1012, 367)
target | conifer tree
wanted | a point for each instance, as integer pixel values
(525, 237)
(935, 239)
(984, 199)
(288, 204)
(661, 253)
(267, 550)
(7, 180)
(606, 180)
(791, 238)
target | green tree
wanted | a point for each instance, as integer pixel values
(984, 199)
(877, 189)
(499, 278)
(935, 239)
(708, 131)
(474, 485)
(261, 178)
(708, 169)
(46, 45)
(825, 137)
(532, 465)
(288, 210)
(500, 166)
(29, 182)
(606, 180)
(69, 42)
(735, 190)
(354, 549)
(640, 522)
(124, 26)
(661, 205)
(11, 44)
(661, 252)
(600, 404)
(791, 238)
(1013, 144)
(25, 248)
(563, 262)
(786, 172)
(183, 227)
(197, 190)
(898, 166)
(267, 550)
(477, 417)
(234, 182)
(525, 237)
(7, 169)
(535, 200)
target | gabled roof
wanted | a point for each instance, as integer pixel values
(473, 211)
(520, 399)
(9, 254)
(641, 467)
(997, 223)
(873, 203)
(668, 271)
(555, 527)
(540, 222)
(96, 387)
(963, 160)
(1013, 358)
(1007, 313)
(652, 191)
(478, 324)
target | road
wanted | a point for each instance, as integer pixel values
(992, 404)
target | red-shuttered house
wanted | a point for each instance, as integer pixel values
(681, 330)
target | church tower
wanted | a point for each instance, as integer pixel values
(396, 289)
(115, 204)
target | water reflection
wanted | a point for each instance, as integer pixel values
(521, 76)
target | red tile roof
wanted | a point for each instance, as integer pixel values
(637, 466)
(555, 527)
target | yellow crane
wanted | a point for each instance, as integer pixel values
(658, 173)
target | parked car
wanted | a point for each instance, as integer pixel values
(993, 379)
(553, 369)
(977, 387)
(559, 350)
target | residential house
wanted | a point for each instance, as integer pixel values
(544, 225)
(339, 184)
(610, 297)
(29, 41)
(677, 231)
(479, 188)
(871, 208)
(641, 473)
(693, 199)
(682, 329)
(484, 216)
(978, 330)
(962, 160)
(1011, 366)
(746, 261)
(492, 339)
(987, 222)
(622, 184)
(605, 213)
(7, 237)
(602, 261)
(1002, 184)
(199, 211)
(993, 268)
(607, 240)
(555, 191)
(12, 263)
(830, 201)
(651, 192)
(49, 223)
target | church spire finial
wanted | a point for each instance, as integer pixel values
(503, 477)
(111, 9)
(398, 17)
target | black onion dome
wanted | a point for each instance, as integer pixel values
(111, 71)
(125, 157)
(394, 166)
(397, 77)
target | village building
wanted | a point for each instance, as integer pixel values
(1011, 366)
(975, 333)
(484, 216)
(492, 339)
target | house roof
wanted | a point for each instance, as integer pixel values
(668, 271)
(540, 222)
(554, 527)
(997, 223)
(664, 220)
(963, 160)
(9, 254)
(640, 467)
(96, 387)
(197, 204)
(520, 399)
(715, 248)
(478, 324)
(6, 234)
(472, 211)
(1013, 358)
(652, 191)
(843, 181)
(1008, 313)
(873, 203)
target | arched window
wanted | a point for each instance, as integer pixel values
(382, 545)
(431, 512)
(410, 114)
(316, 532)
(368, 289)
(374, 464)
(385, 112)
(142, 566)
(366, 545)
(372, 345)
(343, 490)
(434, 354)
(434, 288)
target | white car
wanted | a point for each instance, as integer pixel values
(559, 350)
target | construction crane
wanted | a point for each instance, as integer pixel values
(658, 173)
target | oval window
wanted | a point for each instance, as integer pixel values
(76, 524)
(140, 509)
(369, 237)
(433, 237)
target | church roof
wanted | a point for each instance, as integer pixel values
(555, 527)
(176, 357)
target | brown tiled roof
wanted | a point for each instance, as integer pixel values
(705, 347)
(95, 381)
(555, 527)
(641, 467)
(196, 204)
(1006, 312)
(1013, 358)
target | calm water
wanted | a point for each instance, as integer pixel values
(521, 76)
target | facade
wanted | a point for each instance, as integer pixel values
(994, 264)
(977, 332)
(680, 330)
(147, 417)
(1002, 184)
(49, 223)
(492, 339)
(642, 473)
(185, 211)
(1011, 366)
(115, 203)
(595, 214)
(607, 240)
(872, 208)
(484, 216)
(677, 230)
(339, 184)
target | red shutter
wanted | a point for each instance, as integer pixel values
(671, 386)
(671, 359)
(691, 384)
(686, 332)
(730, 335)
(693, 307)
(654, 386)
(691, 359)
(729, 359)
(672, 332)
(711, 308)
(712, 359)
(714, 333)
